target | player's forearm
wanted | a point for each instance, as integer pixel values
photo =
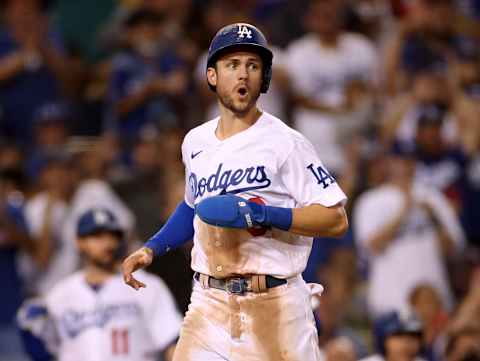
(319, 221)
(177, 231)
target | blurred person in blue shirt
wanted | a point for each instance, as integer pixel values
(13, 236)
(34, 68)
(146, 77)
(50, 134)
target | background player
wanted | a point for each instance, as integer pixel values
(94, 316)
(260, 193)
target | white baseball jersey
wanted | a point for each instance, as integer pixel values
(269, 162)
(113, 322)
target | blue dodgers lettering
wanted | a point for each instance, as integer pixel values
(75, 322)
(223, 180)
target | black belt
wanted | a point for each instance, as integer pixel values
(239, 285)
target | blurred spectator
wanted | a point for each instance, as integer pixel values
(332, 72)
(141, 187)
(439, 165)
(426, 39)
(406, 231)
(430, 93)
(146, 77)
(11, 157)
(464, 345)
(92, 158)
(372, 18)
(339, 349)
(468, 312)
(34, 67)
(13, 238)
(471, 206)
(427, 305)
(330, 315)
(50, 123)
(45, 213)
(397, 337)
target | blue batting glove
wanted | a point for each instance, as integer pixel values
(235, 212)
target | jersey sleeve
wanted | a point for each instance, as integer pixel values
(189, 196)
(307, 179)
(163, 318)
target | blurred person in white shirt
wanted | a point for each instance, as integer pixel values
(406, 231)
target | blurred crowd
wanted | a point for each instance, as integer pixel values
(96, 96)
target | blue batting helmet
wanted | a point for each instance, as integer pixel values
(245, 36)
(98, 220)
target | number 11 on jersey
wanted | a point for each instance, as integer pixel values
(120, 341)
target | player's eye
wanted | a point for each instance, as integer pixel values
(253, 66)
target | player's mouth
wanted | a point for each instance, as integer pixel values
(242, 91)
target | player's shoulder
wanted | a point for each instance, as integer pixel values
(283, 134)
(280, 128)
(200, 133)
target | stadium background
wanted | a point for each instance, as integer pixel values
(95, 97)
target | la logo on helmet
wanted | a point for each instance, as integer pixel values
(243, 31)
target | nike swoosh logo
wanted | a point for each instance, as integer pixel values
(193, 155)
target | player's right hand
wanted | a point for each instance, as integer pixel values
(138, 259)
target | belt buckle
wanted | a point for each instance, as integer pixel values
(236, 285)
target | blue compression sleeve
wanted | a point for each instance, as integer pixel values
(176, 232)
(277, 217)
(280, 218)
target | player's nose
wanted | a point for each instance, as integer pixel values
(242, 72)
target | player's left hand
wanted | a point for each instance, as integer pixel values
(138, 259)
(231, 211)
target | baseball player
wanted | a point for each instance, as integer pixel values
(94, 316)
(255, 194)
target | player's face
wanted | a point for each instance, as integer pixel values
(100, 249)
(238, 79)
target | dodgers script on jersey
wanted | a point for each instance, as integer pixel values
(112, 322)
(270, 163)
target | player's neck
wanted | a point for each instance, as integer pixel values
(95, 275)
(231, 123)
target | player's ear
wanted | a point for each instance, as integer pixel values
(212, 76)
